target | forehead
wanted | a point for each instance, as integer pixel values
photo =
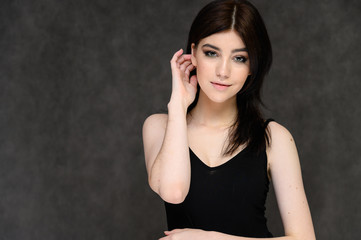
(225, 40)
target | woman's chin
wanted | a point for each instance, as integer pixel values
(219, 99)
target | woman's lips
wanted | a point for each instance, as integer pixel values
(220, 86)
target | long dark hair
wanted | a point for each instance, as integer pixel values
(242, 17)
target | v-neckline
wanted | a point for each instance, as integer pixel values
(222, 164)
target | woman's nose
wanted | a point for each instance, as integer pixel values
(223, 70)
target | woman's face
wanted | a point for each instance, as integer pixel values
(222, 65)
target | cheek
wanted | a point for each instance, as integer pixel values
(241, 75)
(203, 66)
(204, 71)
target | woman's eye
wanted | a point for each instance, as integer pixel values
(240, 59)
(210, 53)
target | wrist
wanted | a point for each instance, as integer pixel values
(175, 106)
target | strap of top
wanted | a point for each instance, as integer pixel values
(267, 121)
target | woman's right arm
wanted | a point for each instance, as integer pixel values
(165, 137)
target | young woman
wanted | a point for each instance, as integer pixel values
(212, 156)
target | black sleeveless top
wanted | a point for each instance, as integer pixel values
(229, 198)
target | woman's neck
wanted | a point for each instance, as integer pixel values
(212, 114)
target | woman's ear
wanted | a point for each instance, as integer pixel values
(193, 55)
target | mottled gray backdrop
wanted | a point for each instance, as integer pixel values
(78, 78)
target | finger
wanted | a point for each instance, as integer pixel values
(175, 57)
(175, 231)
(183, 58)
(180, 59)
(189, 69)
(193, 81)
(184, 66)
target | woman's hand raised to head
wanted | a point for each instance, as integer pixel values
(184, 89)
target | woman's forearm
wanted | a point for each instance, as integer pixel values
(217, 236)
(170, 173)
(198, 234)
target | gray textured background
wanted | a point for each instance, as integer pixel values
(78, 78)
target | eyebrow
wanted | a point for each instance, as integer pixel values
(233, 51)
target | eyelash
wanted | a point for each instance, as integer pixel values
(210, 53)
(242, 59)
(239, 59)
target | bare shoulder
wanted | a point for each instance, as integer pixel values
(154, 128)
(282, 145)
(158, 120)
(279, 133)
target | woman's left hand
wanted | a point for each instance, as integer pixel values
(185, 234)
